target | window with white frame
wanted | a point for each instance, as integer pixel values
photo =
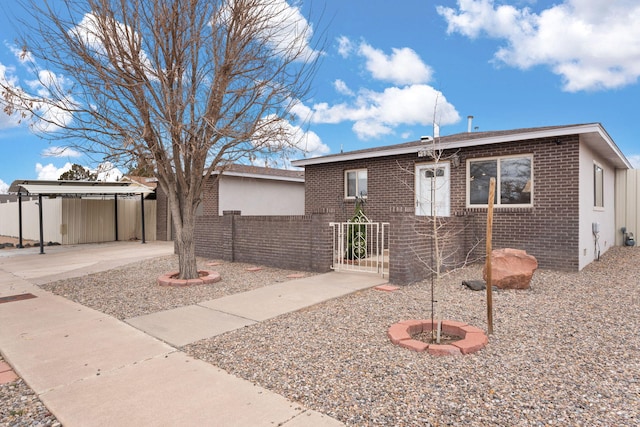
(514, 177)
(598, 186)
(355, 183)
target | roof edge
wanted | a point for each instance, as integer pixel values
(36, 187)
(494, 139)
(260, 176)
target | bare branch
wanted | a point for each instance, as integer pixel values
(184, 87)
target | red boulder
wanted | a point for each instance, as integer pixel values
(511, 269)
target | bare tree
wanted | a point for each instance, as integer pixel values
(442, 232)
(443, 253)
(181, 87)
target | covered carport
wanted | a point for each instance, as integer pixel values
(77, 189)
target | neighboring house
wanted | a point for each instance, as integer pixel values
(149, 182)
(555, 186)
(255, 190)
(250, 190)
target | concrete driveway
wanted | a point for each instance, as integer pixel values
(89, 368)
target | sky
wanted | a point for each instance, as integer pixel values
(388, 73)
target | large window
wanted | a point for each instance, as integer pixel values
(355, 183)
(513, 181)
(598, 186)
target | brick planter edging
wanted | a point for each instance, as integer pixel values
(207, 277)
(471, 340)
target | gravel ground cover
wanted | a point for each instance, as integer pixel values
(127, 292)
(566, 352)
(132, 290)
(20, 407)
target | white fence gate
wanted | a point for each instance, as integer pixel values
(361, 245)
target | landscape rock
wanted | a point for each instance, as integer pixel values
(511, 268)
(475, 285)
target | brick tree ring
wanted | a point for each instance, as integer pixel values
(207, 277)
(471, 339)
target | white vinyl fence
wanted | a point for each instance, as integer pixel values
(627, 203)
(73, 220)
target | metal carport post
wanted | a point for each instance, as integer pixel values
(77, 188)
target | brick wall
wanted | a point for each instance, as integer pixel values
(390, 184)
(548, 230)
(162, 213)
(210, 196)
(411, 245)
(295, 242)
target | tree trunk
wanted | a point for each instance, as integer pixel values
(187, 249)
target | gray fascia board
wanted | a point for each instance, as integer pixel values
(259, 176)
(546, 133)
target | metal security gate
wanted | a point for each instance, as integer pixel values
(361, 245)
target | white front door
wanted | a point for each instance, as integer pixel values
(433, 196)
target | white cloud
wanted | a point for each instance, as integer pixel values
(370, 129)
(377, 113)
(293, 141)
(107, 172)
(634, 159)
(50, 115)
(402, 66)
(282, 136)
(294, 29)
(342, 88)
(90, 31)
(310, 143)
(8, 78)
(21, 55)
(591, 44)
(283, 26)
(4, 187)
(60, 152)
(345, 47)
(50, 172)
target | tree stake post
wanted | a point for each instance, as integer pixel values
(492, 192)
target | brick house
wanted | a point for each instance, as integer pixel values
(554, 185)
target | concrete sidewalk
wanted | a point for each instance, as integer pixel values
(91, 369)
(184, 325)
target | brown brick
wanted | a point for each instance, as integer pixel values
(412, 326)
(397, 333)
(472, 342)
(414, 345)
(444, 350)
(452, 327)
(7, 377)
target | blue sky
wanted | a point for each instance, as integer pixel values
(509, 64)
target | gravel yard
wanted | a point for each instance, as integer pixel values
(565, 352)
(132, 290)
